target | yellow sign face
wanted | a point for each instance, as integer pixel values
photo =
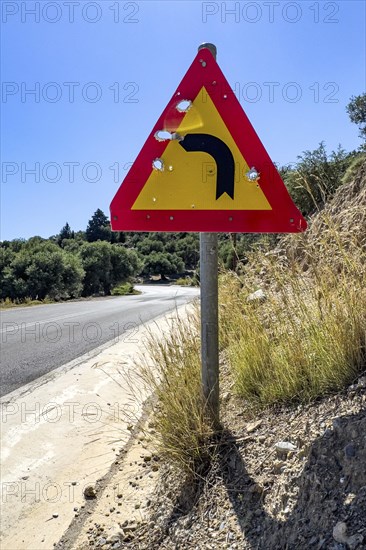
(188, 180)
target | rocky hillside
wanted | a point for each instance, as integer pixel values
(291, 478)
(288, 479)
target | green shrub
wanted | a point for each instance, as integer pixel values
(316, 177)
(186, 281)
(124, 289)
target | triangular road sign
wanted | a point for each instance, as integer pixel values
(203, 167)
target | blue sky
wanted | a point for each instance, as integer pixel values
(102, 72)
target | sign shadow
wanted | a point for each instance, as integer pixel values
(330, 489)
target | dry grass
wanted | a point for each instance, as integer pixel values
(26, 302)
(306, 339)
(309, 336)
(175, 378)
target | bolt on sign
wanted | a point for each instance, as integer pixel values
(203, 167)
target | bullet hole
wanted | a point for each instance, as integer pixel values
(184, 105)
(158, 164)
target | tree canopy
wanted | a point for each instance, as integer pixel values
(356, 110)
(98, 228)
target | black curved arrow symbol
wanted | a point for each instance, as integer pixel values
(222, 156)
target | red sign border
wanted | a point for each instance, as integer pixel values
(284, 216)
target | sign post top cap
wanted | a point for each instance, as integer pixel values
(208, 46)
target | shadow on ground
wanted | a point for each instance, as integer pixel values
(331, 489)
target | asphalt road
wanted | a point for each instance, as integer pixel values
(38, 339)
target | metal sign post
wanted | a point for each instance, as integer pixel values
(209, 323)
(209, 312)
